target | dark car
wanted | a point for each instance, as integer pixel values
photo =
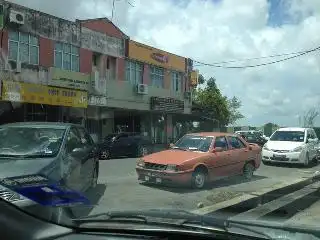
(63, 152)
(253, 137)
(125, 144)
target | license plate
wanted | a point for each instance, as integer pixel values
(279, 156)
(158, 180)
(147, 178)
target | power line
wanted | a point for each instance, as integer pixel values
(297, 54)
(114, 7)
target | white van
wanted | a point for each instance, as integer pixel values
(291, 145)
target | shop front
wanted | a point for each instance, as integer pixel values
(163, 118)
(37, 102)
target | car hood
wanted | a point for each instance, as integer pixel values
(11, 167)
(173, 156)
(283, 145)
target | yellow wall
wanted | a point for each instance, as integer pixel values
(144, 53)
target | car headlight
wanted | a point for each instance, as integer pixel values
(172, 168)
(140, 163)
(297, 149)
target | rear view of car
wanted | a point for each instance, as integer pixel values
(291, 145)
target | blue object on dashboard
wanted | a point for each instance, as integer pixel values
(42, 190)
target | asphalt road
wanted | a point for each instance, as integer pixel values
(118, 188)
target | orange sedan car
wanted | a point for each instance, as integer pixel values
(199, 158)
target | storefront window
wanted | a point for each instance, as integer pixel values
(134, 72)
(176, 81)
(157, 76)
(24, 48)
(159, 129)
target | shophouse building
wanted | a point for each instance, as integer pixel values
(89, 72)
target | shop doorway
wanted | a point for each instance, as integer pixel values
(41, 113)
(127, 122)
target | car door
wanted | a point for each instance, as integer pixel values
(239, 154)
(220, 161)
(88, 159)
(120, 145)
(71, 160)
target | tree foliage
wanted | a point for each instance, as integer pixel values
(215, 105)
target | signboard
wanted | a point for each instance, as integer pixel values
(97, 101)
(68, 79)
(167, 104)
(40, 94)
(43, 191)
(102, 43)
(194, 78)
(147, 54)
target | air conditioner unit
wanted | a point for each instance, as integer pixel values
(16, 17)
(187, 95)
(142, 89)
(18, 67)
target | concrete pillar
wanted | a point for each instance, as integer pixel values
(169, 127)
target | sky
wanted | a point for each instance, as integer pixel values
(213, 31)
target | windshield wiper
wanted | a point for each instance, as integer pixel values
(171, 218)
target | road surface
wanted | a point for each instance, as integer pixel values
(118, 188)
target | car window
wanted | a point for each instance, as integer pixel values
(221, 142)
(73, 140)
(290, 136)
(235, 142)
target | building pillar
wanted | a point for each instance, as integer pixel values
(169, 128)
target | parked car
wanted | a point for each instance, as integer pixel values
(253, 137)
(199, 158)
(125, 144)
(62, 152)
(291, 145)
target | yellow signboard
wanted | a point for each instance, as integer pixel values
(194, 77)
(40, 94)
(144, 53)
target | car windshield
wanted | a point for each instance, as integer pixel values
(194, 142)
(30, 141)
(289, 136)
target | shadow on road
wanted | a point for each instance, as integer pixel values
(94, 195)
(214, 185)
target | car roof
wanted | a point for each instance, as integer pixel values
(293, 129)
(212, 134)
(56, 125)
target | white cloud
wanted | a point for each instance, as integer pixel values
(230, 29)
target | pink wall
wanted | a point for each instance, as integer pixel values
(46, 52)
(121, 69)
(85, 60)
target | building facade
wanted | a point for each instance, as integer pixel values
(89, 72)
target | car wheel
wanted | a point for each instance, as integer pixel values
(199, 178)
(94, 182)
(142, 151)
(248, 170)
(105, 154)
(307, 161)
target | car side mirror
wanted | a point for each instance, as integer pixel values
(311, 140)
(217, 149)
(171, 145)
(267, 138)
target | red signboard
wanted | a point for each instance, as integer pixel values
(160, 57)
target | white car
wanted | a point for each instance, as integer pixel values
(291, 145)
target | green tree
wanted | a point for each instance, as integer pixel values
(234, 105)
(217, 107)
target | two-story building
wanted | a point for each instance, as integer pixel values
(89, 72)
